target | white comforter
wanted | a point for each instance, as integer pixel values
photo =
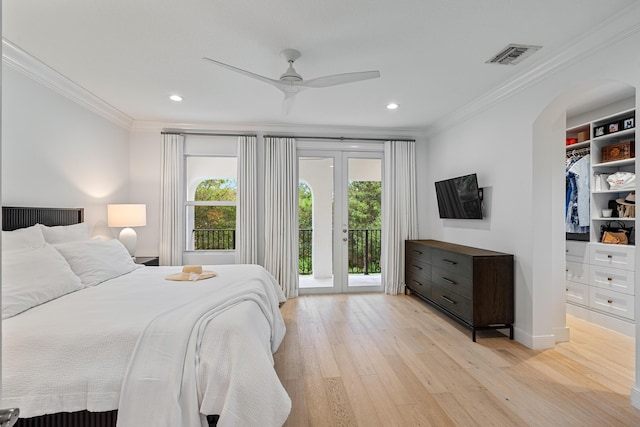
(73, 353)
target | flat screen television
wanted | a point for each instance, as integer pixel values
(459, 197)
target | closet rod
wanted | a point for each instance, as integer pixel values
(202, 132)
(338, 138)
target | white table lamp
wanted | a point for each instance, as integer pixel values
(127, 215)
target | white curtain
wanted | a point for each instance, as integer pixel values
(281, 213)
(171, 207)
(399, 212)
(247, 205)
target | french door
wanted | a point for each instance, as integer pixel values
(340, 221)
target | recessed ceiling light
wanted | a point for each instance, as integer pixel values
(176, 98)
(392, 106)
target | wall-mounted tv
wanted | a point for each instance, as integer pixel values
(459, 197)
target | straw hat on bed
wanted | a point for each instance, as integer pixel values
(191, 273)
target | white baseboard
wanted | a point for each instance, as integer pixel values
(635, 397)
(537, 342)
(562, 334)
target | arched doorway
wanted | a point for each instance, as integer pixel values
(548, 297)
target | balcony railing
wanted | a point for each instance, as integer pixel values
(214, 239)
(364, 247)
(364, 251)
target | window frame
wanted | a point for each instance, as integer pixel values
(189, 241)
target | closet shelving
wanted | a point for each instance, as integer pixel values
(600, 198)
(600, 281)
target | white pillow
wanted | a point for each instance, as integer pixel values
(95, 261)
(23, 238)
(65, 233)
(33, 276)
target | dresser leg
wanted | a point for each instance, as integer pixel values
(473, 334)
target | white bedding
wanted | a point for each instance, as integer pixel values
(72, 353)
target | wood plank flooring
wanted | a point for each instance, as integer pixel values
(378, 360)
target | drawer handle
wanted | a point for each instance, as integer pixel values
(609, 301)
(418, 252)
(609, 256)
(566, 269)
(416, 266)
(417, 283)
(449, 261)
(609, 279)
(449, 281)
(449, 300)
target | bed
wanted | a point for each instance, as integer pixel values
(107, 342)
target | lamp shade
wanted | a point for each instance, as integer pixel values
(127, 215)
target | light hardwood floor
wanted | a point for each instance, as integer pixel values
(378, 360)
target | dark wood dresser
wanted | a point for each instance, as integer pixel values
(475, 286)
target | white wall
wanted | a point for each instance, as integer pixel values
(517, 148)
(56, 153)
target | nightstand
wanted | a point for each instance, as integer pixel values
(147, 260)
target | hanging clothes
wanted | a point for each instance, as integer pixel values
(577, 216)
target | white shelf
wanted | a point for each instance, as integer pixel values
(615, 163)
(612, 219)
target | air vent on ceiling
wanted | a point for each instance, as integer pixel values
(513, 54)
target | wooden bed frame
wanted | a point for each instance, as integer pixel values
(22, 217)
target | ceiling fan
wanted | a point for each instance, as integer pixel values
(290, 82)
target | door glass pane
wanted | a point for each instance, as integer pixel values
(364, 195)
(315, 261)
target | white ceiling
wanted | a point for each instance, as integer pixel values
(431, 53)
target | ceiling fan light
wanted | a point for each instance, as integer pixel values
(176, 98)
(392, 106)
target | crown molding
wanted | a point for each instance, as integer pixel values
(621, 25)
(35, 69)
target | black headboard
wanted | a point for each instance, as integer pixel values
(21, 217)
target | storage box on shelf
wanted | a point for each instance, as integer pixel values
(600, 278)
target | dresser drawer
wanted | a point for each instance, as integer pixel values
(577, 251)
(617, 256)
(612, 302)
(457, 263)
(418, 252)
(613, 279)
(461, 285)
(418, 266)
(577, 293)
(577, 272)
(458, 305)
(419, 284)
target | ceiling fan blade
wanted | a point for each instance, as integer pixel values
(287, 102)
(276, 83)
(339, 79)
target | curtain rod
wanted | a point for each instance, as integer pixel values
(202, 132)
(339, 138)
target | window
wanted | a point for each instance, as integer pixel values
(211, 202)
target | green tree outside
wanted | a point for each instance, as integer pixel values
(219, 218)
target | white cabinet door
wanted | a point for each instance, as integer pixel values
(612, 302)
(577, 251)
(577, 272)
(613, 279)
(577, 293)
(616, 256)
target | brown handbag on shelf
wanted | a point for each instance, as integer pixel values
(615, 234)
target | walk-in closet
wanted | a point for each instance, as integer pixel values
(600, 220)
